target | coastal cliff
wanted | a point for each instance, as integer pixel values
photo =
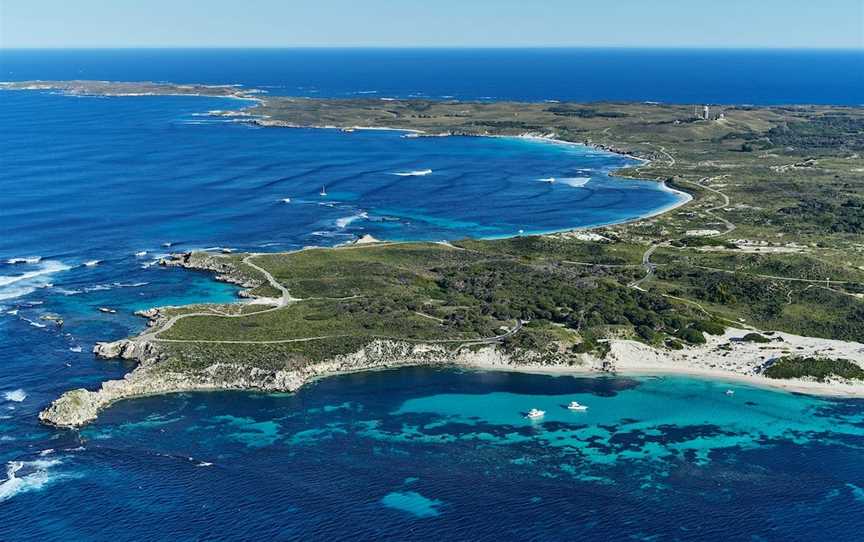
(655, 295)
(79, 407)
(724, 357)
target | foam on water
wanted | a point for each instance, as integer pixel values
(14, 286)
(28, 259)
(575, 182)
(346, 221)
(417, 173)
(15, 395)
(24, 476)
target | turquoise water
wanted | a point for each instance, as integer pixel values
(411, 454)
(448, 454)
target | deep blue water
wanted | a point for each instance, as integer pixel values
(674, 76)
(412, 454)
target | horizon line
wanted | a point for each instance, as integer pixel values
(432, 47)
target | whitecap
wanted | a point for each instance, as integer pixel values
(129, 284)
(418, 173)
(140, 253)
(28, 260)
(12, 286)
(344, 222)
(34, 324)
(76, 349)
(97, 288)
(576, 182)
(34, 476)
(15, 395)
(66, 291)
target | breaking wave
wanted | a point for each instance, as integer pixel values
(28, 259)
(15, 395)
(24, 476)
(12, 286)
(418, 173)
(575, 182)
(344, 222)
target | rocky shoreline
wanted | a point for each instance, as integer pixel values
(724, 357)
(79, 407)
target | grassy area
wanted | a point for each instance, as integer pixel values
(778, 200)
(432, 292)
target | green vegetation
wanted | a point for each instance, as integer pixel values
(818, 368)
(431, 292)
(755, 338)
(772, 238)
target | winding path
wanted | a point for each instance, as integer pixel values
(284, 300)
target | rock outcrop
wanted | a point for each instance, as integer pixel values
(79, 407)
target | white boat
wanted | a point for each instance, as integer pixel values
(575, 405)
(323, 191)
(534, 413)
(286, 200)
(730, 392)
(106, 310)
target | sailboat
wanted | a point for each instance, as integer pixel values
(323, 191)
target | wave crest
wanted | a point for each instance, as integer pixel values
(12, 286)
(418, 173)
(23, 476)
(15, 395)
(344, 222)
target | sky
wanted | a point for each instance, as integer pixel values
(432, 23)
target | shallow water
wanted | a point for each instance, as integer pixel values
(405, 454)
(443, 453)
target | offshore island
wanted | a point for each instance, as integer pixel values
(760, 276)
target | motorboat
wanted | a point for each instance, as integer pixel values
(534, 414)
(576, 405)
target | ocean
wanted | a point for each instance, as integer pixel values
(94, 190)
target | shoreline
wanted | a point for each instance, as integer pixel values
(78, 407)
(684, 196)
(725, 357)
(149, 379)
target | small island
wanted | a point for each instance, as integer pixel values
(759, 277)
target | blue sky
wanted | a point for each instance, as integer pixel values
(383, 23)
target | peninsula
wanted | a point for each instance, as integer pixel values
(760, 276)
